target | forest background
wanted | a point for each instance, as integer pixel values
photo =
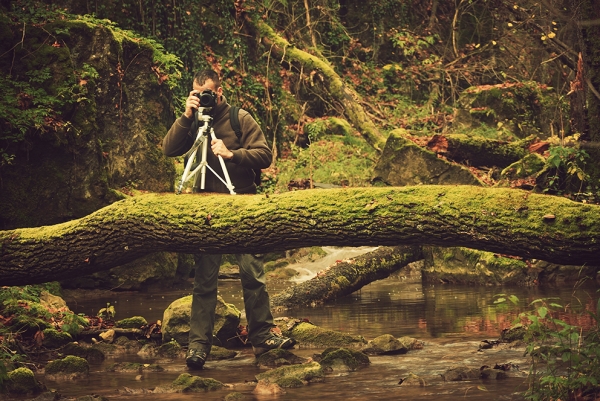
(329, 81)
(305, 69)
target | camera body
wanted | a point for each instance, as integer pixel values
(207, 98)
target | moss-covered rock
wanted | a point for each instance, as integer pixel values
(55, 339)
(170, 349)
(91, 354)
(293, 374)
(323, 128)
(187, 383)
(133, 367)
(127, 345)
(22, 381)
(96, 139)
(176, 321)
(235, 396)
(278, 357)
(342, 359)
(512, 334)
(459, 373)
(70, 367)
(528, 166)
(522, 108)
(134, 322)
(413, 380)
(53, 302)
(470, 266)
(310, 335)
(385, 344)
(220, 353)
(404, 163)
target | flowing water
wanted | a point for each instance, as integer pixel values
(450, 319)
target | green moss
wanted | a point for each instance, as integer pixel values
(187, 383)
(133, 367)
(170, 349)
(235, 396)
(290, 382)
(220, 353)
(349, 358)
(69, 365)
(54, 338)
(513, 334)
(22, 381)
(310, 334)
(134, 322)
(289, 374)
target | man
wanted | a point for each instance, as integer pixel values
(241, 156)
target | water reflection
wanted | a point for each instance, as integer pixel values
(452, 320)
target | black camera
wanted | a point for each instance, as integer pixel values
(207, 98)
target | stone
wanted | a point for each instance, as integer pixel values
(279, 357)
(310, 334)
(264, 387)
(460, 373)
(134, 322)
(404, 163)
(342, 359)
(91, 354)
(176, 321)
(293, 374)
(385, 344)
(70, 367)
(22, 381)
(55, 339)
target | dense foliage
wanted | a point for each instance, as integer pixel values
(412, 64)
(410, 61)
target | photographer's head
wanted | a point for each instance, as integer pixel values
(208, 80)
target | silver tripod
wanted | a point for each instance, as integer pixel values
(202, 139)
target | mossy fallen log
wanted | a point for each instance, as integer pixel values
(502, 220)
(345, 277)
(479, 151)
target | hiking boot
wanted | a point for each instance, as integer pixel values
(195, 358)
(274, 341)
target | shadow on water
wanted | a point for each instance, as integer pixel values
(450, 319)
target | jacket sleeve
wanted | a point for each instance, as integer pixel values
(254, 151)
(179, 139)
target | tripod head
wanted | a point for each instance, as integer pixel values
(203, 119)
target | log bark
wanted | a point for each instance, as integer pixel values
(502, 220)
(345, 277)
(478, 151)
(342, 92)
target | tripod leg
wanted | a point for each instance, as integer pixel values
(203, 163)
(224, 168)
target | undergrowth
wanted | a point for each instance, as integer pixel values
(565, 357)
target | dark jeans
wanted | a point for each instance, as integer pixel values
(204, 299)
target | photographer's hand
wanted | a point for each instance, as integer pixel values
(191, 103)
(219, 149)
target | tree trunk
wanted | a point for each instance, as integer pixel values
(345, 277)
(479, 151)
(502, 220)
(341, 91)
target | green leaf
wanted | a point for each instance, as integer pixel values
(542, 311)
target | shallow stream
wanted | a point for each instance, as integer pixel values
(450, 319)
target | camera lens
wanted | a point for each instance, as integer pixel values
(207, 98)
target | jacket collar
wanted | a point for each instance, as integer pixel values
(220, 109)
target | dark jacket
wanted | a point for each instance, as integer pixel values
(249, 152)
